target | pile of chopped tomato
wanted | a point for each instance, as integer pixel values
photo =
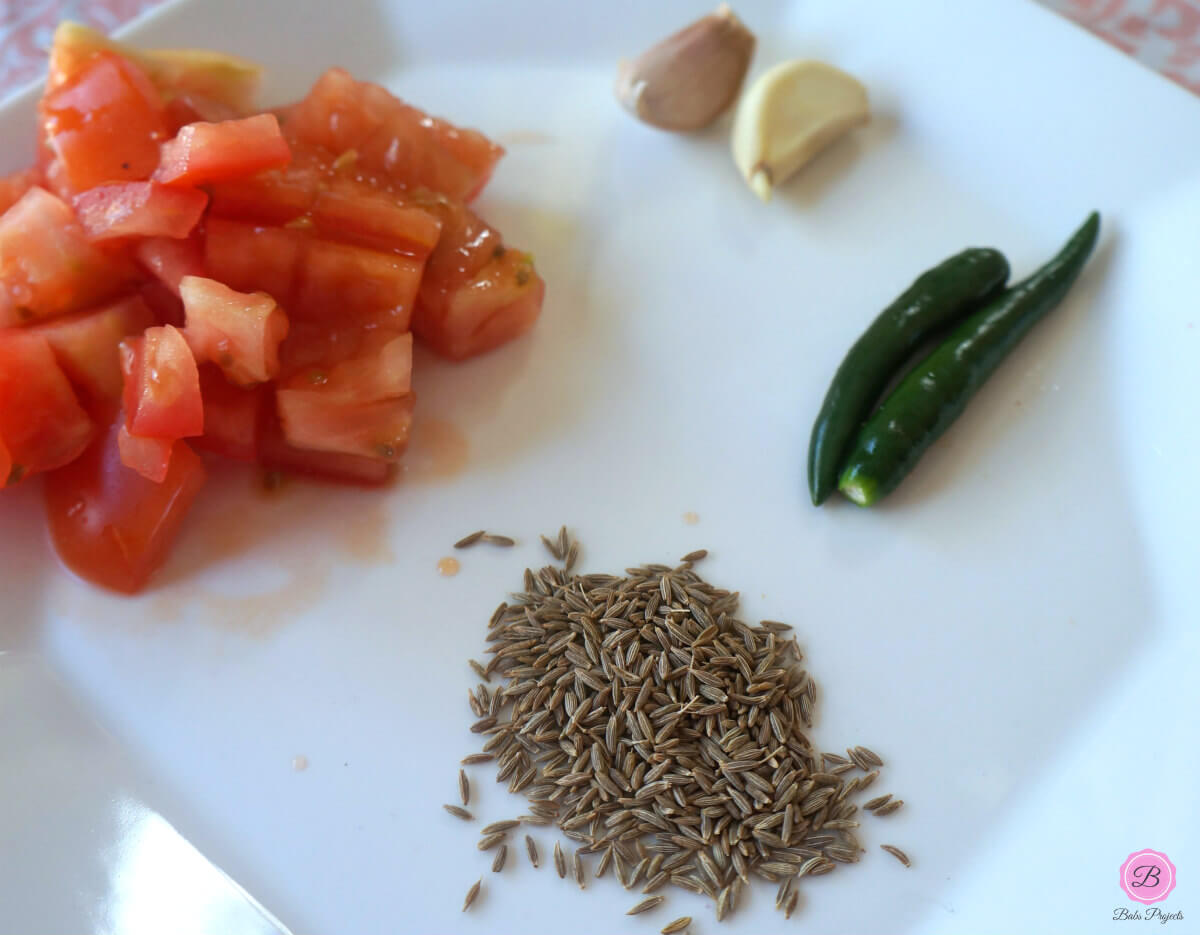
(180, 272)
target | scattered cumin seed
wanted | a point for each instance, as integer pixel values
(577, 865)
(897, 853)
(695, 556)
(459, 812)
(531, 849)
(877, 802)
(791, 904)
(467, 541)
(471, 894)
(499, 827)
(889, 808)
(472, 759)
(464, 786)
(671, 928)
(502, 541)
(501, 856)
(479, 670)
(560, 862)
(488, 841)
(646, 905)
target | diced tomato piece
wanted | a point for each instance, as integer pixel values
(320, 422)
(111, 525)
(6, 466)
(106, 123)
(170, 260)
(239, 332)
(343, 283)
(461, 317)
(276, 196)
(376, 220)
(85, 344)
(162, 385)
(390, 137)
(42, 425)
(276, 453)
(254, 259)
(378, 367)
(233, 416)
(47, 264)
(310, 194)
(13, 186)
(150, 457)
(139, 209)
(212, 152)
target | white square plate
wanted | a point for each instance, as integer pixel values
(1014, 630)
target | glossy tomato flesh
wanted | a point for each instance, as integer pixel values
(213, 152)
(42, 425)
(139, 209)
(109, 524)
(162, 385)
(239, 332)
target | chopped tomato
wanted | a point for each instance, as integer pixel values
(47, 264)
(324, 465)
(141, 209)
(351, 284)
(111, 525)
(13, 186)
(393, 138)
(162, 385)
(239, 332)
(212, 152)
(233, 416)
(357, 215)
(315, 195)
(42, 425)
(476, 294)
(170, 260)
(320, 422)
(378, 367)
(150, 457)
(85, 344)
(106, 123)
(254, 259)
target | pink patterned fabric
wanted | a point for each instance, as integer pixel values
(1165, 34)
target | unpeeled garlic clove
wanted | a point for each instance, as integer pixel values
(790, 114)
(687, 80)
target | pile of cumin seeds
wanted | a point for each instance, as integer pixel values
(655, 728)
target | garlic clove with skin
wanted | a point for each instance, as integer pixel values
(790, 114)
(687, 80)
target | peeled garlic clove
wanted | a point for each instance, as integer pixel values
(789, 115)
(690, 78)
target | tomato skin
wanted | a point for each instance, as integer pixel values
(170, 259)
(48, 266)
(233, 416)
(42, 425)
(105, 124)
(213, 152)
(162, 385)
(112, 526)
(239, 332)
(150, 457)
(85, 344)
(139, 209)
(392, 138)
